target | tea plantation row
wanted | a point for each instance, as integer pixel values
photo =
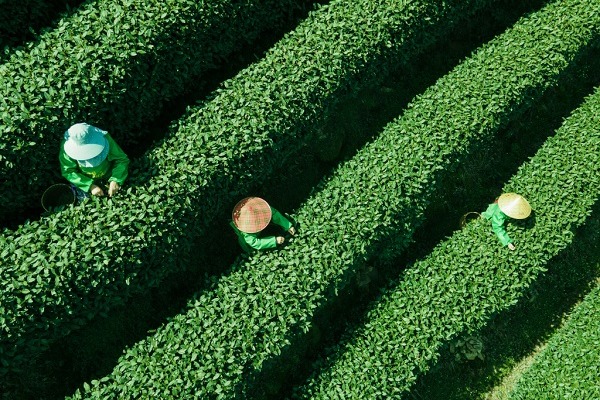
(469, 278)
(112, 64)
(70, 267)
(568, 367)
(237, 338)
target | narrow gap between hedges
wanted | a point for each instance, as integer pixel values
(93, 351)
(41, 18)
(198, 88)
(475, 184)
(515, 334)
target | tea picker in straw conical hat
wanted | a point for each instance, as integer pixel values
(89, 157)
(508, 205)
(250, 217)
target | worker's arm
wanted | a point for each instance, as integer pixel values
(269, 242)
(71, 172)
(119, 160)
(253, 241)
(279, 219)
(498, 228)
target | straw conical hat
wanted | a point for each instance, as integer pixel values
(514, 205)
(251, 214)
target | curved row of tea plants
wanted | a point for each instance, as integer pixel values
(64, 269)
(231, 339)
(569, 367)
(470, 277)
(112, 64)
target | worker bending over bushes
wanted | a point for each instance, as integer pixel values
(89, 159)
(250, 217)
(508, 205)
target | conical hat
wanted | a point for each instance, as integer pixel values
(514, 205)
(251, 214)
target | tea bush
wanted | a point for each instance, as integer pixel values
(567, 368)
(70, 267)
(113, 64)
(230, 341)
(470, 277)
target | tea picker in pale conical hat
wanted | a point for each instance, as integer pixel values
(508, 205)
(250, 217)
(89, 157)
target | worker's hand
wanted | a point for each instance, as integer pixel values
(96, 190)
(292, 231)
(280, 239)
(511, 246)
(113, 188)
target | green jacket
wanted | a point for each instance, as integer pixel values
(254, 241)
(113, 168)
(497, 217)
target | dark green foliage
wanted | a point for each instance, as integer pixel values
(74, 265)
(470, 277)
(234, 334)
(16, 16)
(112, 64)
(568, 367)
(22, 21)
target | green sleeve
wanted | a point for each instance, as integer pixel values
(71, 172)
(498, 228)
(269, 242)
(119, 161)
(250, 241)
(280, 220)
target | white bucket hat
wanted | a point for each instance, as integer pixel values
(84, 142)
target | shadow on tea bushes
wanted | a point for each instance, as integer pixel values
(514, 334)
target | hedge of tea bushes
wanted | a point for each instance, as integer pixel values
(568, 367)
(70, 267)
(229, 343)
(113, 64)
(470, 277)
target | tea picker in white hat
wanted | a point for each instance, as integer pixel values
(250, 217)
(508, 205)
(89, 157)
